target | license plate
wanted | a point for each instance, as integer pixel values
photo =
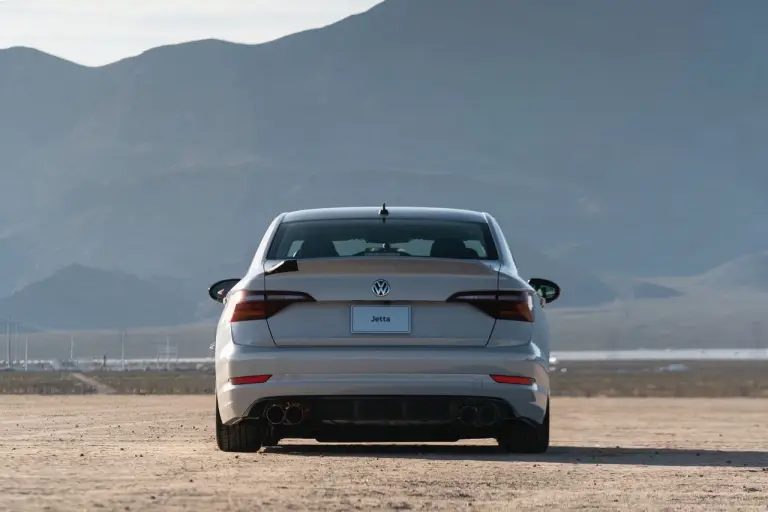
(381, 319)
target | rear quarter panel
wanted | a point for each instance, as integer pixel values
(509, 278)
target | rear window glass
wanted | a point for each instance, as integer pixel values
(372, 237)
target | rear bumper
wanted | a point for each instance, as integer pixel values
(382, 372)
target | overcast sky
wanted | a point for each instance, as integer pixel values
(96, 32)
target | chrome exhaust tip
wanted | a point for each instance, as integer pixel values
(467, 415)
(294, 415)
(275, 415)
(487, 415)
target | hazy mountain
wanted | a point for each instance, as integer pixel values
(748, 272)
(79, 297)
(609, 136)
(645, 290)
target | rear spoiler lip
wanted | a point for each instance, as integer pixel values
(282, 267)
(292, 265)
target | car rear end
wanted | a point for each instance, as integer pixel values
(353, 325)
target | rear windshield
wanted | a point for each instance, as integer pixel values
(372, 237)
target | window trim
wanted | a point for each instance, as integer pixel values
(491, 246)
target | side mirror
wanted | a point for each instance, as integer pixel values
(219, 290)
(547, 290)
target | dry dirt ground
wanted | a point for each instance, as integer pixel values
(112, 452)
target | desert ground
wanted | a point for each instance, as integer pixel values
(111, 452)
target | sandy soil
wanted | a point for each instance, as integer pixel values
(158, 453)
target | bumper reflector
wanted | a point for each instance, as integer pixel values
(250, 379)
(509, 379)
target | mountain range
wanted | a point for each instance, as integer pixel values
(608, 138)
(83, 298)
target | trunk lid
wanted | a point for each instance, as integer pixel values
(380, 301)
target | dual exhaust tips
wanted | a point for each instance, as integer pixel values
(478, 416)
(483, 416)
(280, 415)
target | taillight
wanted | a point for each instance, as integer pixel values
(502, 304)
(250, 379)
(512, 379)
(250, 305)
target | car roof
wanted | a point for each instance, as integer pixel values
(403, 212)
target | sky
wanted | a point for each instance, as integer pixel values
(97, 32)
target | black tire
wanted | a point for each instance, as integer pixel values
(524, 438)
(243, 437)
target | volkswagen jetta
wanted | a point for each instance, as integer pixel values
(383, 324)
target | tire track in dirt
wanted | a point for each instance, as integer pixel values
(101, 389)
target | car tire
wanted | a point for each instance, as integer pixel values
(524, 438)
(243, 437)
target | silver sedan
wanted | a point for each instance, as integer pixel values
(383, 325)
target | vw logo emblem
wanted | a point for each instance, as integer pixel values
(380, 288)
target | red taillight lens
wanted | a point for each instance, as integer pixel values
(502, 305)
(510, 379)
(250, 305)
(250, 379)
